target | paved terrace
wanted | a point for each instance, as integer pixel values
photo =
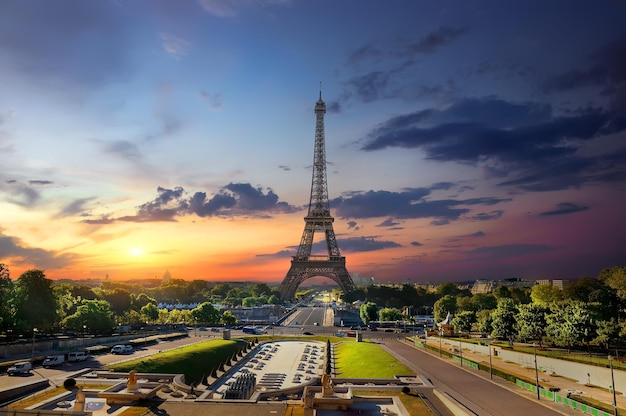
(280, 365)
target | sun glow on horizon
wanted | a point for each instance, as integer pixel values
(136, 252)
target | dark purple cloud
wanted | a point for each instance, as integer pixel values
(564, 208)
(13, 248)
(507, 251)
(522, 141)
(235, 199)
(410, 203)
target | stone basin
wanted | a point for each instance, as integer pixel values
(120, 394)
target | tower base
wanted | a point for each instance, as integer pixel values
(302, 269)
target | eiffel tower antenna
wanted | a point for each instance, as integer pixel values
(303, 264)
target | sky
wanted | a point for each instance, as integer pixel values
(464, 139)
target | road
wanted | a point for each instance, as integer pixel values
(477, 395)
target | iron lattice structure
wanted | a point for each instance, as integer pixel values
(303, 264)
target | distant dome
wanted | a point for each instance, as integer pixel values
(167, 276)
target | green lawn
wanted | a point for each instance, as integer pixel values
(194, 361)
(366, 360)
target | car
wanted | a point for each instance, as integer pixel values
(202, 329)
(122, 349)
(215, 329)
(19, 368)
(307, 333)
(53, 360)
(77, 356)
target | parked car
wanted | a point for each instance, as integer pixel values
(53, 360)
(77, 356)
(19, 368)
(122, 349)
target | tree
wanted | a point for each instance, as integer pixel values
(274, 300)
(502, 292)
(206, 313)
(504, 320)
(368, 312)
(483, 321)
(6, 293)
(35, 302)
(138, 302)
(607, 333)
(390, 314)
(570, 324)
(443, 306)
(531, 322)
(228, 318)
(463, 321)
(119, 299)
(94, 315)
(615, 277)
(150, 312)
(545, 294)
(447, 289)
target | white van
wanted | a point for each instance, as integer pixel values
(19, 368)
(122, 349)
(53, 360)
(77, 356)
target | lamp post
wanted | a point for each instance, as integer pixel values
(536, 371)
(613, 386)
(32, 354)
(461, 351)
(490, 364)
(440, 337)
(195, 327)
(84, 334)
(425, 336)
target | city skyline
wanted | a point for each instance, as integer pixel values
(463, 141)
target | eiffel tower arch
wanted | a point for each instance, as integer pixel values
(303, 264)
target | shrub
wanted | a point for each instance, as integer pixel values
(406, 389)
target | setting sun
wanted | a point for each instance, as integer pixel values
(136, 252)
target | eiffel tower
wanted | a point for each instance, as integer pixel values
(303, 264)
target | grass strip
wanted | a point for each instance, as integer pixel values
(366, 360)
(195, 361)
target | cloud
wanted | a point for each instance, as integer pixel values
(13, 248)
(40, 182)
(174, 45)
(393, 62)
(434, 40)
(213, 100)
(75, 207)
(363, 244)
(20, 194)
(410, 203)
(487, 216)
(523, 140)
(507, 251)
(604, 68)
(235, 199)
(416, 244)
(81, 44)
(231, 8)
(564, 208)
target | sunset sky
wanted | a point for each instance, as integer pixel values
(465, 139)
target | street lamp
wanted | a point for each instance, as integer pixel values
(425, 336)
(613, 386)
(461, 351)
(32, 354)
(195, 327)
(490, 364)
(536, 371)
(440, 337)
